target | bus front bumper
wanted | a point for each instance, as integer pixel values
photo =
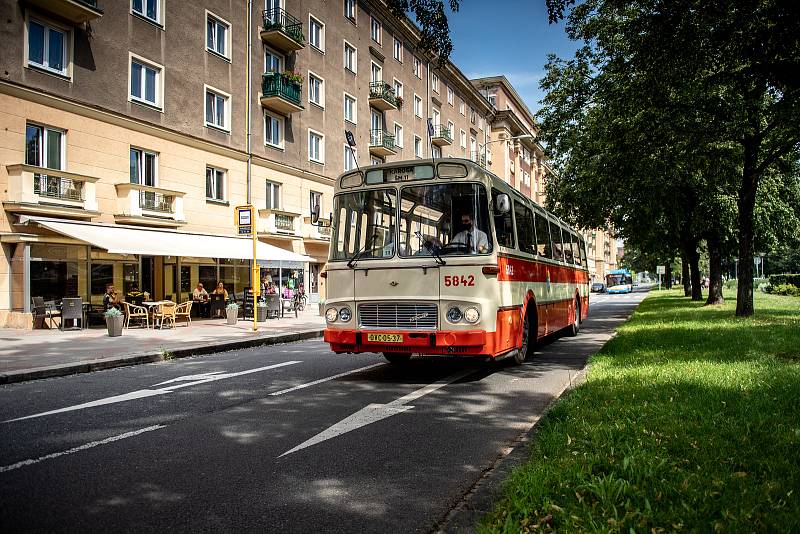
(466, 342)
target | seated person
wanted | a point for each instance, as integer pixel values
(111, 298)
(477, 241)
(220, 290)
(200, 297)
(134, 296)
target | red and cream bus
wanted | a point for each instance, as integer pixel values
(443, 257)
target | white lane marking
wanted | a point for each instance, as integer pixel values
(192, 380)
(321, 380)
(26, 463)
(375, 412)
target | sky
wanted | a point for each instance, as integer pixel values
(507, 37)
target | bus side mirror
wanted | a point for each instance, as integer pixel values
(315, 214)
(502, 204)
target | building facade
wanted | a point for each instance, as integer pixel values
(132, 115)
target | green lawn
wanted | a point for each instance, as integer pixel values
(689, 420)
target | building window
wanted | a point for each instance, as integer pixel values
(461, 106)
(398, 135)
(217, 36)
(316, 33)
(273, 130)
(415, 68)
(315, 199)
(451, 128)
(349, 158)
(145, 83)
(47, 47)
(316, 147)
(44, 147)
(350, 108)
(215, 183)
(273, 196)
(398, 88)
(375, 161)
(450, 95)
(316, 91)
(375, 30)
(472, 115)
(350, 57)
(272, 62)
(435, 82)
(376, 73)
(398, 49)
(350, 9)
(149, 9)
(217, 109)
(436, 152)
(417, 146)
(492, 98)
(144, 167)
(417, 106)
(463, 139)
(436, 118)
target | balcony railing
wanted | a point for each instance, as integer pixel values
(280, 92)
(152, 201)
(50, 186)
(381, 143)
(478, 158)
(75, 11)
(441, 136)
(282, 30)
(284, 222)
(324, 230)
(381, 96)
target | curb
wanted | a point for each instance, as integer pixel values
(25, 375)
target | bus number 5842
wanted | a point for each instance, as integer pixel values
(456, 281)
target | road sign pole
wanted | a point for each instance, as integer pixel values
(256, 283)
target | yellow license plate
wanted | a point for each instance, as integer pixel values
(385, 338)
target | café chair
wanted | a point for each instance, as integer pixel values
(165, 312)
(132, 311)
(184, 310)
(42, 313)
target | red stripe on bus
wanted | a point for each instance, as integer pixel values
(520, 270)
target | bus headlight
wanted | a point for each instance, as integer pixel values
(331, 315)
(472, 315)
(454, 315)
(345, 314)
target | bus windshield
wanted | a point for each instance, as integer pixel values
(618, 280)
(364, 220)
(444, 219)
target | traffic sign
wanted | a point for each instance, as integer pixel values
(243, 219)
(661, 269)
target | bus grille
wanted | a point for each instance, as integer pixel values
(401, 316)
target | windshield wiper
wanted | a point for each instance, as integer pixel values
(357, 256)
(430, 248)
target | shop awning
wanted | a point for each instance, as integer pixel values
(118, 239)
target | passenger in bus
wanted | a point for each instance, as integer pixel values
(476, 240)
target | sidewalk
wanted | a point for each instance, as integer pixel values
(30, 355)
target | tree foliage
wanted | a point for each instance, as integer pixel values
(432, 20)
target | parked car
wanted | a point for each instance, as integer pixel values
(598, 287)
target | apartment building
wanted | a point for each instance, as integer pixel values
(513, 153)
(124, 140)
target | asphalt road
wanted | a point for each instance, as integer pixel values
(288, 438)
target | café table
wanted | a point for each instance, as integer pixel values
(151, 306)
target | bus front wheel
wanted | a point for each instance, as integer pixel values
(527, 348)
(575, 327)
(397, 358)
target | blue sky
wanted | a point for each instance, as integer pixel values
(514, 42)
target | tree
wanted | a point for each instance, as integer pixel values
(431, 17)
(726, 74)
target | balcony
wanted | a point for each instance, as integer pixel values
(280, 93)
(381, 96)
(381, 143)
(442, 136)
(282, 31)
(278, 224)
(479, 158)
(150, 206)
(75, 11)
(314, 233)
(38, 191)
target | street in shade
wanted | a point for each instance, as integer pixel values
(289, 438)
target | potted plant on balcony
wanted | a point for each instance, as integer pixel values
(114, 321)
(399, 101)
(261, 311)
(232, 312)
(293, 76)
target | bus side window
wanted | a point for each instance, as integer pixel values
(555, 237)
(567, 245)
(543, 247)
(526, 233)
(503, 225)
(584, 261)
(576, 249)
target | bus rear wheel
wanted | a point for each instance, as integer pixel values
(397, 358)
(575, 327)
(527, 348)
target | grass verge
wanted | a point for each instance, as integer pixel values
(689, 420)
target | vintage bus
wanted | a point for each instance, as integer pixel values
(442, 257)
(619, 281)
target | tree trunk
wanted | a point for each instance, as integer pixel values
(715, 268)
(687, 283)
(694, 269)
(747, 202)
(668, 275)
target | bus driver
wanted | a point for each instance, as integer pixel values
(475, 240)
